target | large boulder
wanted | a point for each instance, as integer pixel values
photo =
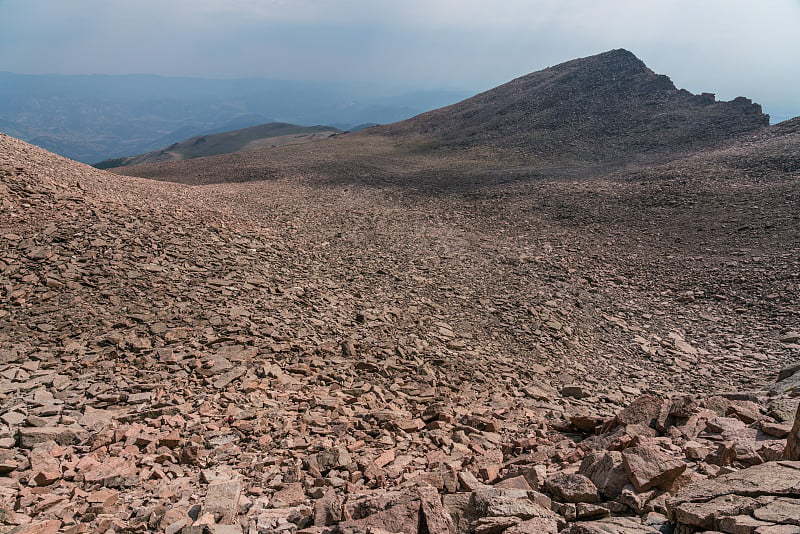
(762, 495)
(606, 470)
(792, 451)
(649, 467)
(572, 488)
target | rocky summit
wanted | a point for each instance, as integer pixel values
(364, 337)
(606, 109)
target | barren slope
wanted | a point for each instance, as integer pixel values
(609, 109)
(361, 337)
(278, 335)
(262, 136)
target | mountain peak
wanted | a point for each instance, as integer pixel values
(619, 57)
(619, 54)
(606, 108)
(615, 68)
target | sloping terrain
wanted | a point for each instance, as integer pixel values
(253, 138)
(608, 108)
(91, 118)
(269, 337)
(330, 351)
(356, 337)
(582, 118)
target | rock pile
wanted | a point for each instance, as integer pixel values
(165, 369)
(134, 465)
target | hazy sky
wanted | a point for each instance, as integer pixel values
(728, 47)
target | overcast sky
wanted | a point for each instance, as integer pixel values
(728, 47)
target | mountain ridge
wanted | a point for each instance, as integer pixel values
(251, 138)
(599, 108)
(584, 117)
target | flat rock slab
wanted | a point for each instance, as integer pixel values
(759, 497)
(771, 478)
(538, 525)
(223, 498)
(611, 525)
(113, 473)
(63, 435)
(707, 514)
(45, 527)
(782, 510)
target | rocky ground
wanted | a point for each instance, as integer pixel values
(309, 355)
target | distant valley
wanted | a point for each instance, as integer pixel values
(91, 118)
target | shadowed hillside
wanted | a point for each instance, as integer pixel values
(253, 138)
(605, 108)
(577, 119)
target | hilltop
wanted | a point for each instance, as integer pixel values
(608, 108)
(253, 138)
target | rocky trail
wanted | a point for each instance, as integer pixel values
(294, 355)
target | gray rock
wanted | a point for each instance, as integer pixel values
(575, 391)
(572, 488)
(222, 498)
(648, 467)
(63, 435)
(606, 470)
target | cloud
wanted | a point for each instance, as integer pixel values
(730, 47)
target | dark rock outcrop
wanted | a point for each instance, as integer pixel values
(608, 108)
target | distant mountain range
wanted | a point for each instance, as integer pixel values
(581, 118)
(91, 118)
(256, 137)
